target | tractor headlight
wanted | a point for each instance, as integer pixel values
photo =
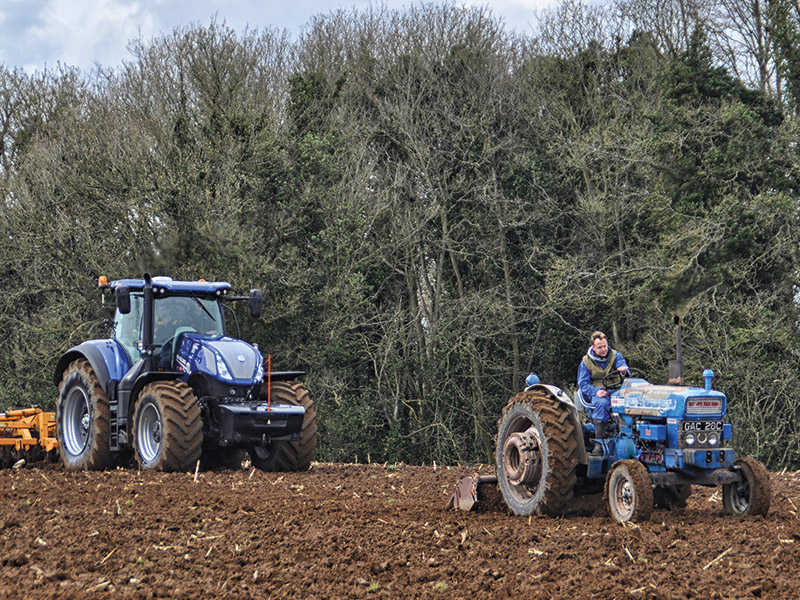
(689, 439)
(222, 368)
(713, 439)
(210, 360)
(260, 372)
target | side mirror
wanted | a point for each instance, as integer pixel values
(256, 302)
(123, 295)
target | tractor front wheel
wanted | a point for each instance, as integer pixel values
(628, 492)
(298, 454)
(751, 495)
(536, 454)
(167, 427)
(82, 417)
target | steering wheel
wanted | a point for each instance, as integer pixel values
(613, 381)
(635, 373)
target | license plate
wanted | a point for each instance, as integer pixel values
(701, 426)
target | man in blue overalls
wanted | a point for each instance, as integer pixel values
(599, 362)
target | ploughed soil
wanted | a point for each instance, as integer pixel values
(368, 531)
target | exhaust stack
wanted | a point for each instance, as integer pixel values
(147, 322)
(675, 373)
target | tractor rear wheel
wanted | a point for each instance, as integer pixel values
(82, 417)
(167, 427)
(628, 491)
(536, 454)
(751, 496)
(298, 454)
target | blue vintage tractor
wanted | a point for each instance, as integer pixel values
(665, 439)
(172, 388)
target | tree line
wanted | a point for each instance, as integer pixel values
(434, 206)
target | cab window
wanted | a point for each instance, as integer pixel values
(185, 313)
(127, 328)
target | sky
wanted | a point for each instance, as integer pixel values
(35, 34)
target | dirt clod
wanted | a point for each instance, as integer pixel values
(245, 534)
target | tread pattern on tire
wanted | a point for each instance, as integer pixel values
(98, 455)
(760, 490)
(293, 455)
(562, 447)
(182, 426)
(642, 488)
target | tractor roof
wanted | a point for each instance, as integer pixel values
(169, 285)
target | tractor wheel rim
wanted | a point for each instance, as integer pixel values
(149, 433)
(522, 459)
(77, 421)
(624, 497)
(740, 497)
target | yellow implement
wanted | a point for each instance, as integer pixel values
(26, 433)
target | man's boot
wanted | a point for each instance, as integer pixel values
(600, 432)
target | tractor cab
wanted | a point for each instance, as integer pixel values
(177, 328)
(174, 313)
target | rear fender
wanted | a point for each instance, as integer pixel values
(577, 429)
(285, 375)
(107, 359)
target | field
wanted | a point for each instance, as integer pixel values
(368, 531)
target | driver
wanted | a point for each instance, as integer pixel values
(599, 362)
(164, 327)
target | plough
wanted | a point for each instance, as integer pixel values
(27, 433)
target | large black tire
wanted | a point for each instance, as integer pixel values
(752, 495)
(536, 454)
(82, 417)
(167, 427)
(298, 454)
(628, 491)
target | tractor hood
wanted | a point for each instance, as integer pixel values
(638, 397)
(226, 359)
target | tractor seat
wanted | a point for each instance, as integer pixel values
(582, 405)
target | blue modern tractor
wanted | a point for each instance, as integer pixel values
(171, 387)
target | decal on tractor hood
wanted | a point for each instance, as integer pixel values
(183, 364)
(655, 397)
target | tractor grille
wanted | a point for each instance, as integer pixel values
(703, 406)
(241, 360)
(242, 369)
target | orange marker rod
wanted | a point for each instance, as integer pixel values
(269, 380)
